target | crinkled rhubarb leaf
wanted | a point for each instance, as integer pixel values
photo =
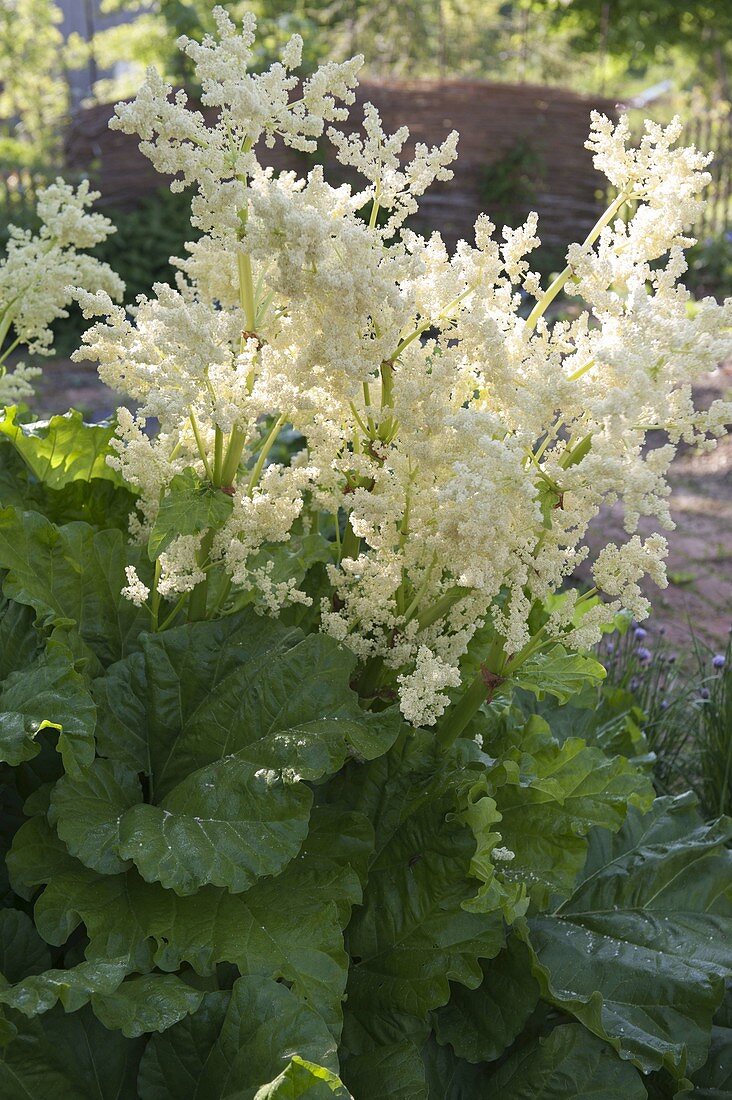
(550, 796)
(49, 694)
(242, 1041)
(639, 952)
(152, 1002)
(480, 1024)
(62, 449)
(73, 577)
(287, 927)
(569, 1064)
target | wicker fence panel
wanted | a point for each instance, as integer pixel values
(491, 118)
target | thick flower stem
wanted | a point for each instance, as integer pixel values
(263, 454)
(198, 598)
(481, 690)
(351, 542)
(218, 457)
(232, 458)
(197, 601)
(460, 714)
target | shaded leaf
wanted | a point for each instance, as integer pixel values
(234, 1052)
(395, 1070)
(448, 1077)
(20, 643)
(714, 1080)
(480, 1024)
(413, 934)
(72, 576)
(22, 951)
(68, 1057)
(569, 1064)
(50, 694)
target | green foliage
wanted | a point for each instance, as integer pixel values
(657, 900)
(62, 450)
(710, 266)
(188, 508)
(229, 875)
(508, 185)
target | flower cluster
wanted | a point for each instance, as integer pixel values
(39, 270)
(455, 451)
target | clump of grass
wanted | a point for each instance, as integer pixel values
(714, 737)
(686, 703)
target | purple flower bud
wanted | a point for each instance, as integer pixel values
(704, 693)
(610, 647)
(664, 704)
(643, 654)
(639, 633)
(718, 660)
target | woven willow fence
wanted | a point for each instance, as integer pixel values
(547, 126)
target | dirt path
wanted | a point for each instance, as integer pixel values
(699, 595)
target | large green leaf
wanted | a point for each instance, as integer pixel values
(214, 717)
(395, 1070)
(48, 694)
(68, 1057)
(714, 1080)
(228, 824)
(189, 507)
(287, 927)
(245, 686)
(414, 933)
(480, 1024)
(237, 1046)
(72, 576)
(558, 672)
(62, 449)
(99, 503)
(639, 952)
(569, 1064)
(152, 1002)
(122, 719)
(447, 1077)
(87, 812)
(550, 796)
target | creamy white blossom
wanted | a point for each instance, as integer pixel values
(453, 452)
(39, 270)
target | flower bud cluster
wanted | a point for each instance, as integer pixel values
(39, 270)
(455, 450)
